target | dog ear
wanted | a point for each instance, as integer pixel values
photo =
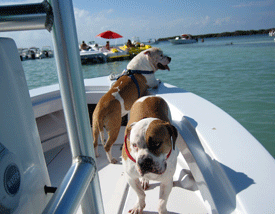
(128, 130)
(173, 133)
(147, 53)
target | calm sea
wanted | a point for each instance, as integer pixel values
(235, 73)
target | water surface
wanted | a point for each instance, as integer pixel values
(235, 73)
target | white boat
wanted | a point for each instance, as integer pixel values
(135, 40)
(184, 39)
(271, 33)
(34, 53)
(151, 42)
(46, 52)
(99, 54)
(46, 142)
(23, 52)
(92, 56)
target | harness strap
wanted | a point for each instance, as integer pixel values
(136, 83)
(140, 72)
(131, 73)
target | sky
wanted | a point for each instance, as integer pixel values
(154, 19)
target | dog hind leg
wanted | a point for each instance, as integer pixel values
(102, 137)
(112, 128)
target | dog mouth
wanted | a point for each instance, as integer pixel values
(151, 169)
(163, 67)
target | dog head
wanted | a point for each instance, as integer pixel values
(150, 59)
(151, 142)
(159, 60)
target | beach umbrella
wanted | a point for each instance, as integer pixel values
(109, 35)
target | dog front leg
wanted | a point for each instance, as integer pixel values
(144, 183)
(136, 185)
(165, 189)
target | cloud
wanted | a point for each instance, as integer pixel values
(110, 11)
(255, 4)
(89, 25)
(205, 20)
(222, 21)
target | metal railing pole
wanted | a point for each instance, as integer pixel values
(73, 187)
(26, 17)
(73, 94)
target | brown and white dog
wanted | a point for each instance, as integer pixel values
(118, 101)
(149, 151)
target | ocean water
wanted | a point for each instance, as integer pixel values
(235, 73)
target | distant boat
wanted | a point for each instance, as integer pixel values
(23, 52)
(46, 52)
(33, 53)
(92, 56)
(152, 41)
(272, 33)
(184, 39)
(135, 41)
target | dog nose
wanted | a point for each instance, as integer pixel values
(169, 59)
(145, 163)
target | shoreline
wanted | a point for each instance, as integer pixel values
(224, 34)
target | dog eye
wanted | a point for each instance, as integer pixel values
(157, 144)
(154, 144)
(134, 145)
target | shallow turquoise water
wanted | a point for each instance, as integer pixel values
(237, 77)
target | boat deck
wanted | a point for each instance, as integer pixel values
(214, 151)
(118, 197)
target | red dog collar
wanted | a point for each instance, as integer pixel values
(130, 156)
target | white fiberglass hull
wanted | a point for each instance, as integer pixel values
(217, 171)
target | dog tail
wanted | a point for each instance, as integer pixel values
(95, 133)
(98, 131)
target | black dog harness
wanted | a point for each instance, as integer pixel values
(131, 73)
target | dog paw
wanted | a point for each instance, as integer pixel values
(96, 152)
(138, 209)
(144, 183)
(162, 210)
(113, 161)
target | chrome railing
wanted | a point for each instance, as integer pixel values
(26, 17)
(81, 183)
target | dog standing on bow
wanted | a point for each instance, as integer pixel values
(149, 151)
(118, 101)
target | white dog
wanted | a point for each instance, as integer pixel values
(118, 101)
(149, 151)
